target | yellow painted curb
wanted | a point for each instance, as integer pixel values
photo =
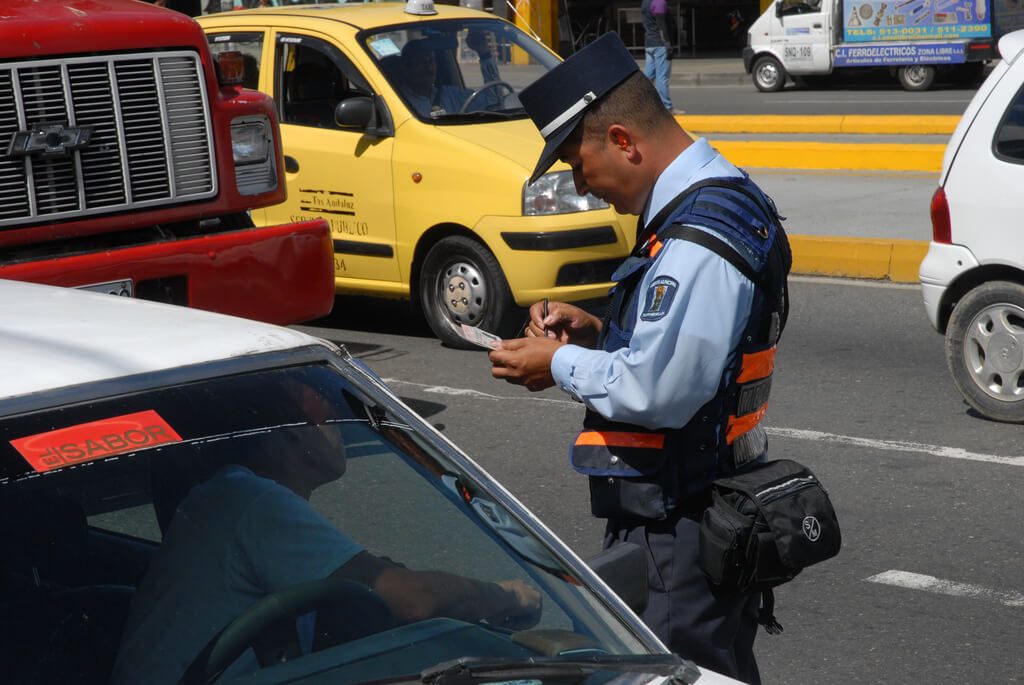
(811, 155)
(852, 123)
(877, 258)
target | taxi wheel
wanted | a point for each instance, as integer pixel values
(985, 350)
(462, 282)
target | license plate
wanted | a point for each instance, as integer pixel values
(123, 288)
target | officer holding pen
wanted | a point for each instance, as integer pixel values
(675, 379)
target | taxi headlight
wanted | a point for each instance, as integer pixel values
(555, 193)
(253, 150)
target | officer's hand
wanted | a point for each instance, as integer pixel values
(564, 322)
(525, 361)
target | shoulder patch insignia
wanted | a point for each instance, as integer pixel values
(659, 298)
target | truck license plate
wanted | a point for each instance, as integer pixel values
(122, 288)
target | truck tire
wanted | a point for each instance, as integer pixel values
(462, 282)
(916, 76)
(985, 350)
(768, 74)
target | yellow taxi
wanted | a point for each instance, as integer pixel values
(401, 127)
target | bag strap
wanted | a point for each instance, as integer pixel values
(766, 617)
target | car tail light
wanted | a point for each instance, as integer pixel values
(941, 232)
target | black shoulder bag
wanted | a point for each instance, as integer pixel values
(763, 527)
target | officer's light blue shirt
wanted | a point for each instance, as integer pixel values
(675, 359)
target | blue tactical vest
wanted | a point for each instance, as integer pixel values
(637, 472)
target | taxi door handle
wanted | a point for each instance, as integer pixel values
(817, 26)
(291, 165)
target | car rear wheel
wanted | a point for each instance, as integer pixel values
(462, 282)
(769, 76)
(985, 350)
(916, 76)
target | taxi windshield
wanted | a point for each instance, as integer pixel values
(459, 71)
(244, 526)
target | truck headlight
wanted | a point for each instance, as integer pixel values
(252, 145)
(555, 193)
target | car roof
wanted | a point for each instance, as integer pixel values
(359, 15)
(1010, 45)
(54, 337)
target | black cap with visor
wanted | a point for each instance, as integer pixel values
(557, 100)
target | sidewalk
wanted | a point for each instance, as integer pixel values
(707, 71)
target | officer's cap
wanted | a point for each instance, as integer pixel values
(557, 100)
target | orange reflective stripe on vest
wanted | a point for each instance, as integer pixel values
(757, 365)
(621, 439)
(738, 425)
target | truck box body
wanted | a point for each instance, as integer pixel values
(911, 38)
(127, 166)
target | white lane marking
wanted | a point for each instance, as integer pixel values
(895, 445)
(469, 392)
(793, 433)
(919, 581)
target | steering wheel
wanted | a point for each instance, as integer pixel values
(490, 85)
(364, 613)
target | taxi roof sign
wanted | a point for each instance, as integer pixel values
(420, 7)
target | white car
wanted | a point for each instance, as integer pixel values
(972, 278)
(172, 479)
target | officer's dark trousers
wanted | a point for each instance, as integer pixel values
(714, 631)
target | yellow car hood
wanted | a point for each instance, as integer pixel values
(518, 141)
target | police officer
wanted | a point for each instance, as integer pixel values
(675, 378)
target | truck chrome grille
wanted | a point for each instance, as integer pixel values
(150, 145)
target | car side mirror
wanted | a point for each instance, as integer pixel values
(363, 113)
(624, 568)
(355, 112)
(778, 8)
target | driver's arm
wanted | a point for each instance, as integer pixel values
(417, 595)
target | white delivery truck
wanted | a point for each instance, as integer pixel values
(809, 40)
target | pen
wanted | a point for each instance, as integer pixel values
(545, 315)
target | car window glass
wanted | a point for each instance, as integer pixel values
(251, 47)
(313, 77)
(448, 68)
(1009, 137)
(274, 479)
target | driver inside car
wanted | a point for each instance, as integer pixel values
(428, 97)
(249, 531)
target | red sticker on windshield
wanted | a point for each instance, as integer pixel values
(94, 440)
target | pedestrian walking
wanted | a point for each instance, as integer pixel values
(675, 378)
(657, 48)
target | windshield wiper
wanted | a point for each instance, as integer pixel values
(479, 114)
(475, 670)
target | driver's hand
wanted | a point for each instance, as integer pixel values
(526, 612)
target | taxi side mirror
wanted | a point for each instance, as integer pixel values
(624, 568)
(362, 113)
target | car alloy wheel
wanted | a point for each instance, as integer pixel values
(985, 350)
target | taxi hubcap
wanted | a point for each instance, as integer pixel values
(464, 293)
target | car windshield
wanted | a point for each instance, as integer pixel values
(459, 71)
(164, 516)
